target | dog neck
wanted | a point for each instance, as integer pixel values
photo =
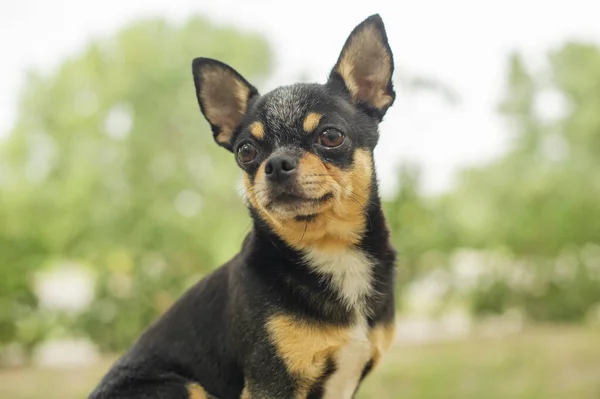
(332, 283)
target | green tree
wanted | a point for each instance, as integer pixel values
(543, 194)
(542, 197)
(417, 225)
(110, 164)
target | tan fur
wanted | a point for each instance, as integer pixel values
(195, 391)
(340, 222)
(381, 337)
(304, 347)
(365, 67)
(257, 129)
(312, 121)
(246, 393)
(224, 98)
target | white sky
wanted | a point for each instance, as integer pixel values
(463, 43)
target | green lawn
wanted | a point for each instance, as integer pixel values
(544, 363)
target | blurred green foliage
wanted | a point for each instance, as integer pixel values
(539, 202)
(543, 194)
(111, 166)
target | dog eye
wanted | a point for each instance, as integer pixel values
(331, 138)
(247, 153)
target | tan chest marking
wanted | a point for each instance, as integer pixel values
(381, 337)
(305, 347)
(246, 393)
(195, 391)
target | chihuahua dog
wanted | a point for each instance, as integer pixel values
(306, 308)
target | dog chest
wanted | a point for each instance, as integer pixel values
(350, 360)
(306, 349)
(349, 272)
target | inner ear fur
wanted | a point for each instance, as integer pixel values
(366, 65)
(223, 95)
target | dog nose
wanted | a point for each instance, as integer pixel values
(280, 167)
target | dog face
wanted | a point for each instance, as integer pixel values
(306, 149)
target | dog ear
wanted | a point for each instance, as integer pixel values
(223, 95)
(366, 65)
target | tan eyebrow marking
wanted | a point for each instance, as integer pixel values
(312, 121)
(257, 129)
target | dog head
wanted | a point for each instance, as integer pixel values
(306, 150)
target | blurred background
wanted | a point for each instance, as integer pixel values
(114, 198)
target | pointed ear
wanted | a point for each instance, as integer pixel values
(223, 95)
(365, 66)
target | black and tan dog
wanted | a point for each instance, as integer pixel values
(306, 309)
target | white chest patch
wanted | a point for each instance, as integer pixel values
(350, 274)
(350, 361)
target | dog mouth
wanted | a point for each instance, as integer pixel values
(287, 198)
(298, 203)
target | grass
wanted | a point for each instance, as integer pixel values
(544, 362)
(541, 363)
